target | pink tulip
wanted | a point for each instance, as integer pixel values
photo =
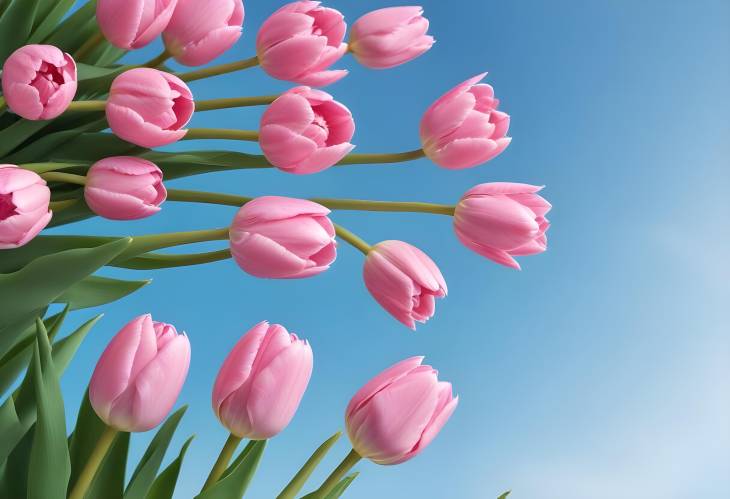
(463, 128)
(124, 188)
(283, 238)
(132, 24)
(389, 37)
(24, 212)
(399, 412)
(262, 381)
(201, 30)
(39, 82)
(404, 280)
(300, 41)
(306, 131)
(149, 108)
(140, 374)
(502, 220)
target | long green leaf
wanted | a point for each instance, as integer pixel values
(296, 483)
(164, 485)
(341, 487)
(95, 290)
(235, 484)
(109, 480)
(13, 136)
(16, 24)
(75, 29)
(14, 480)
(504, 496)
(49, 13)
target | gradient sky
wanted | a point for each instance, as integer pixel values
(599, 371)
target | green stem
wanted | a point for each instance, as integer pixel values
(221, 133)
(206, 197)
(68, 178)
(338, 474)
(222, 462)
(157, 61)
(225, 103)
(399, 157)
(154, 261)
(220, 69)
(2, 104)
(56, 206)
(153, 242)
(87, 105)
(47, 167)
(296, 483)
(89, 45)
(103, 443)
(353, 239)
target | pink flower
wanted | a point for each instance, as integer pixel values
(124, 188)
(149, 108)
(262, 381)
(132, 24)
(39, 82)
(24, 212)
(399, 412)
(502, 220)
(140, 374)
(389, 37)
(463, 128)
(300, 41)
(404, 280)
(283, 238)
(201, 30)
(306, 131)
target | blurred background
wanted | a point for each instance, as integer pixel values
(599, 371)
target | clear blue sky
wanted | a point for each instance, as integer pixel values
(599, 371)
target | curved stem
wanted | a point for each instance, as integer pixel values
(225, 103)
(154, 261)
(353, 239)
(399, 157)
(158, 60)
(220, 69)
(89, 45)
(206, 197)
(221, 133)
(103, 443)
(222, 462)
(153, 242)
(68, 178)
(87, 105)
(346, 465)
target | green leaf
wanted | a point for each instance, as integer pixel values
(17, 133)
(95, 290)
(184, 164)
(148, 466)
(75, 29)
(16, 24)
(14, 480)
(109, 480)
(42, 148)
(164, 485)
(49, 465)
(504, 496)
(235, 484)
(296, 483)
(340, 488)
(49, 13)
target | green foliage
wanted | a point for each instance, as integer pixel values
(237, 478)
(16, 24)
(296, 483)
(504, 496)
(94, 291)
(341, 487)
(164, 485)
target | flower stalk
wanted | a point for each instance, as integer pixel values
(103, 444)
(220, 69)
(338, 474)
(222, 134)
(222, 462)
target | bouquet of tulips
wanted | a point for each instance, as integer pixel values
(79, 137)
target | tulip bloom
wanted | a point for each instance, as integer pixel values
(132, 24)
(399, 412)
(200, 31)
(300, 41)
(404, 281)
(389, 37)
(24, 212)
(124, 188)
(262, 381)
(502, 220)
(149, 108)
(39, 82)
(463, 128)
(140, 374)
(306, 131)
(283, 238)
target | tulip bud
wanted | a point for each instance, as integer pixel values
(300, 41)
(149, 108)
(306, 131)
(389, 37)
(132, 24)
(283, 238)
(124, 188)
(24, 212)
(463, 128)
(404, 281)
(200, 31)
(140, 374)
(39, 82)
(262, 381)
(502, 220)
(399, 412)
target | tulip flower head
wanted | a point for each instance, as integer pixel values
(463, 128)
(300, 41)
(24, 211)
(502, 220)
(404, 281)
(132, 24)
(140, 374)
(39, 82)
(149, 108)
(262, 381)
(399, 412)
(124, 188)
(389, 37)
(201, 30)
(306, 131)
(283, 238)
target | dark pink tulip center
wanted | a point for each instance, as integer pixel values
(7, 207)
(47, 80)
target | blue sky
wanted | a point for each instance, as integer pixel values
(599, 371)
